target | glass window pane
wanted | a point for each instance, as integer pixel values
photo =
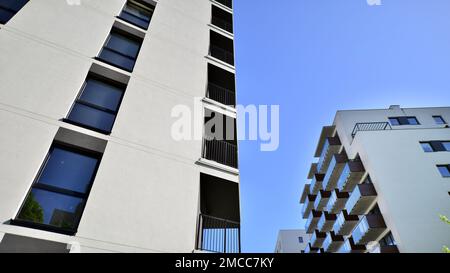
(117, 59)
(123, 45)
(68, 170)
(51, 208)
(413, 121)
(138, 12)
(5, 16)
(427, 147)
(92, 117)
(445, 172)
(394, 121)
(134, 20)
(15, 5)
(102, 94)
(446, 145)
(439, 120)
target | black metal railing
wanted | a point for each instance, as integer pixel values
(221, 23)
(220, 94)
(221, 54)
(370, 126)
(220, 151)
(218, 235)
(227, 3)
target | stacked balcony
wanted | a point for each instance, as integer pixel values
(351, 175)
(334, 171)
(317, 239)
(345, 223)
(305, 193)
(350, 247)
(312, 221)
(326, 222)
(331, 146)
(369, 229)
(333, 242)
(308, 205)
(362, 199)
(337, 201)
(317, 183)
(310, 249)
(322, 200)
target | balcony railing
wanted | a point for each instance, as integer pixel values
(221, 23)
(345, 223)
(221, 54)
(334, 170)
(317, 239)
(317, 183)
(333, 242)
(220, 94)
(312, 221)
(361, 199)
(370, 126)
(218, 235)
(350, 247)
(337, 201)
(351, 175)
(369, 229)
(308, 205)
(322, 200)
(326, 222)
(221, 151)
(331, 146)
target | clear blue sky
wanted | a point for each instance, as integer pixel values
(313, 57)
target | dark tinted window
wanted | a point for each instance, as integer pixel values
(300, 240)
(403, 121)
(56, 199)
(137, 15)
(8, 8)
(120, 50)
(97, 106)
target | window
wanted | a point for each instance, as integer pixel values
(439, 120)
(221, 48)
(137, 14)
(444, 170)
(121, 50)
(57, 198)
(97, 104)
(300, 240)
(222, 19)
(388, 240)
(227, 3)
(9, 8)
(395, 121)
(436, 146)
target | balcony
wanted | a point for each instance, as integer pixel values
(321, 200)
(317, 183)
(317, 239)
(337, 164)
(370, 228)
(345, 223)
(221, 86)
(337, 201)
(308, 205)
(326, 222)
(221, 48)
(361, 199)
(312, 221)
(351, 175)
(370, 126)
(333, 242)
(218, 235)
(310, 249)
(222, 19)
(221, 151)
(331, 146)
(350, 247)
(227, 3)
(305, 193)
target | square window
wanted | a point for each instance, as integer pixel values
(121, 50)
(426, 146)
(300, 240)
(439, 120)
(444, 170)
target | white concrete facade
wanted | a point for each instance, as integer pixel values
(410, 191)
(146, 193)
(292, 241)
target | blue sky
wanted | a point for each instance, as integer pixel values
(314, 57)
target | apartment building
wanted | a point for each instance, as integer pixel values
(292, 241)
(87, 159)
(381, 181)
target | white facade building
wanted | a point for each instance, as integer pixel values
(87, 159)
(381, 182)
(292, 241)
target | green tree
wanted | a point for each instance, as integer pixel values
(32, 210)
(445, 220)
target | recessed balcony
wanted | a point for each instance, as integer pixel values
(317, 239)
(337, 164)
(370, 228)
(312, 221)
(308, 205)
(333, 242)
(331, 146)
(321, 200)
(310, 249)
(361, 199)
(351, 175)
(345, 223)
(337, 201)
(326, 222)
(317, 183)
(350, 247)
